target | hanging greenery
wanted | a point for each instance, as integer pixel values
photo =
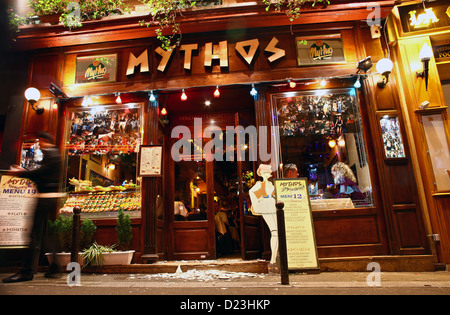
(291, 7)
(164, 13)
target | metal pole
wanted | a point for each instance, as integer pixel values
(75, 234)
(282, 243)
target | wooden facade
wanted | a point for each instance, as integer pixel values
(396, 224)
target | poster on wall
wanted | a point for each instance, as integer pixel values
(104, 129)
(300, 238)
(324, 49)
(95, 69)
(392, 137)
(150, 160)
(18, 199)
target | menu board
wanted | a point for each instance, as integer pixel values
(300, 239)
(17, 199)
(150, 160)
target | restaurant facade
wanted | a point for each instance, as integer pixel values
(310, 92)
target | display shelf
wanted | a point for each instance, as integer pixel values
(98, 204)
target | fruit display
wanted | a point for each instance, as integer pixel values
(103, 202)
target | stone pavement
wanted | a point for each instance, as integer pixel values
(200, 283)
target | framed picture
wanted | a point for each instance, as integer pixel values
(96, 69)
(150, 160)
(320, 49)
(392, 137)
(97, 158)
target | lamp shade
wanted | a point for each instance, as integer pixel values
(425, 52)
(384, 65)
(32, 94)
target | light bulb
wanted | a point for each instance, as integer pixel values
(253, 91)
(183, 96)
(152, 97)
(357, 83)
(163, 111)
(292, 84)
(118, 99)
(332, 143)
(216, 92)
(323, 82)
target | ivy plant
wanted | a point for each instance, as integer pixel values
(165, 13)
(291, 7)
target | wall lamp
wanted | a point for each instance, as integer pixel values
(384, 66)
(425, 56)
(33, 95)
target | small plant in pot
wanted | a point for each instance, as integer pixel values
(60, 231)
(49, 11)
(100, 255)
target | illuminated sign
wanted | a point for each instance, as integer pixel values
(417, 17)
(423, 19)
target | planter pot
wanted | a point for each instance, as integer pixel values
(62, 259)
(53, 19)
(117, 258)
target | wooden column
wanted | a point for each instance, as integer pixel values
(149, 191)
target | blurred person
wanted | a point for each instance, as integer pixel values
(46, 178)
(290, 171)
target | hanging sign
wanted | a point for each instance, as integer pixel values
(418, 17)
(18, 199)
(96, 69)
(300, 238)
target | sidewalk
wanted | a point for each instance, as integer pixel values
(198, 283)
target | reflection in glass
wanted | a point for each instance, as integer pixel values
(438, 149)
(190, 191)
(317, 130)
(101, 153)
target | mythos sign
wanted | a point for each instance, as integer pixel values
(246, 49)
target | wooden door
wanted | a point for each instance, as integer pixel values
(250, 225)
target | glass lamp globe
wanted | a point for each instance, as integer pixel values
(425, 52)
(384, 66)
(32, 94)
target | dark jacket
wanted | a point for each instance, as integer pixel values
(47, 176)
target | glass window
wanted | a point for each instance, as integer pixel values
(101, 148)
(321, 135)
(438, 150)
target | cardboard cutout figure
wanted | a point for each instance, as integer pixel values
(263, 203)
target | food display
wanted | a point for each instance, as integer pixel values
(99, 202)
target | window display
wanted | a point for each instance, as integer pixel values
(320, 132)
(101, 160)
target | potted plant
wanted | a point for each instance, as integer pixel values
(91, 10)
(49, 11)
(61, 230)
(101, 255)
